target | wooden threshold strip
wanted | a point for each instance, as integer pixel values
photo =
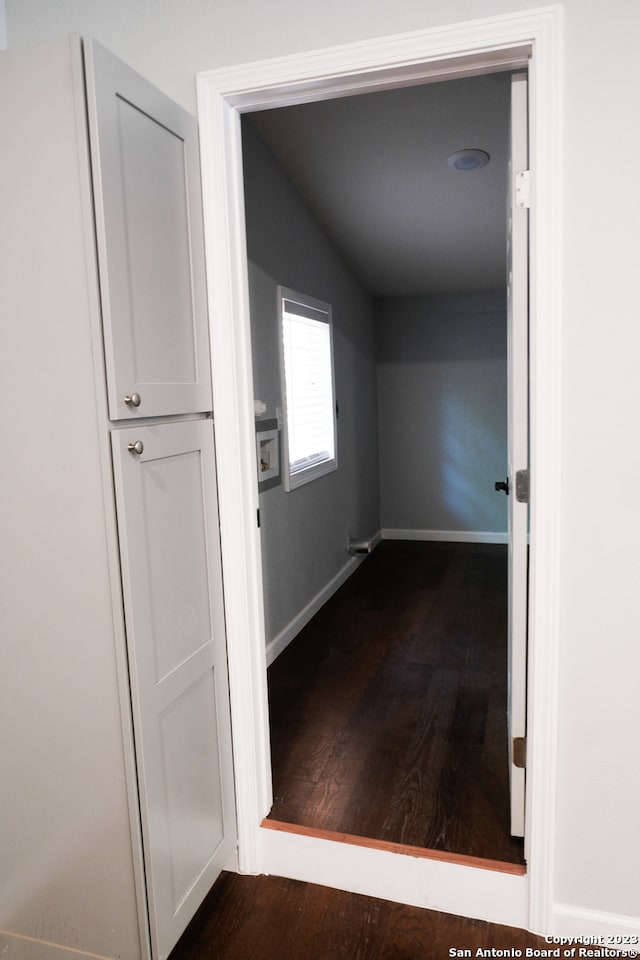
(499, 866)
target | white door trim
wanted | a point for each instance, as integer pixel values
(475, 46)
(518, 442)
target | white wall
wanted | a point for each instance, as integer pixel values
(598, 827)
(3, 25)
(169, 42)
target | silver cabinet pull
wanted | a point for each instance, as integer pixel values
(134, 400)
(136, 447)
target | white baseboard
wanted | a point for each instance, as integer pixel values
(26, 948)
(466, 891)
(293, 628)
(450, 536)
(572, 921)
(376, 539)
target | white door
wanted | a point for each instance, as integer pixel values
(145, 165)
(169, 543)
(518, 429)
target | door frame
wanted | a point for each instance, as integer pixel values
(480, 46)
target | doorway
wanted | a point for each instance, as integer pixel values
(439, 356)
(387, 712)
(224, 95)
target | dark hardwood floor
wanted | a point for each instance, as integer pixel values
(388, 711)
(270, 918)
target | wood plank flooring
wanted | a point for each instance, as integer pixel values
(388, 711)
(270, 918)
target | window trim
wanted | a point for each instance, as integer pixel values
(310, 306)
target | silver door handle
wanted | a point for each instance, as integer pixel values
(136, 447)
(134, 400)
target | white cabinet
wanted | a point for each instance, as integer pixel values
(144, 152)
(167, 516)
(117, 797)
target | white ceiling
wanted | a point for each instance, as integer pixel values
(373, 169)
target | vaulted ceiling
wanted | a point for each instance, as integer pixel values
(373, 170)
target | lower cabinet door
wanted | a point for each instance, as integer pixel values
(172, 581)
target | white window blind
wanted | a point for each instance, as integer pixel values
(310, 442)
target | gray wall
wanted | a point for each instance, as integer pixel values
(442, 401)
(305, 532)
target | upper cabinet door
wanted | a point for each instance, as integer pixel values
(146, 176)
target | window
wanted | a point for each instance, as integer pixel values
(307, 388)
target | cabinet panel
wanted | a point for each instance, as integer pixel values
(167, 519)
(180, 590)
(146, 174)
(158, 291)
(192, 791)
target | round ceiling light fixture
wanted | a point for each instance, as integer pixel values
(468, 159)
